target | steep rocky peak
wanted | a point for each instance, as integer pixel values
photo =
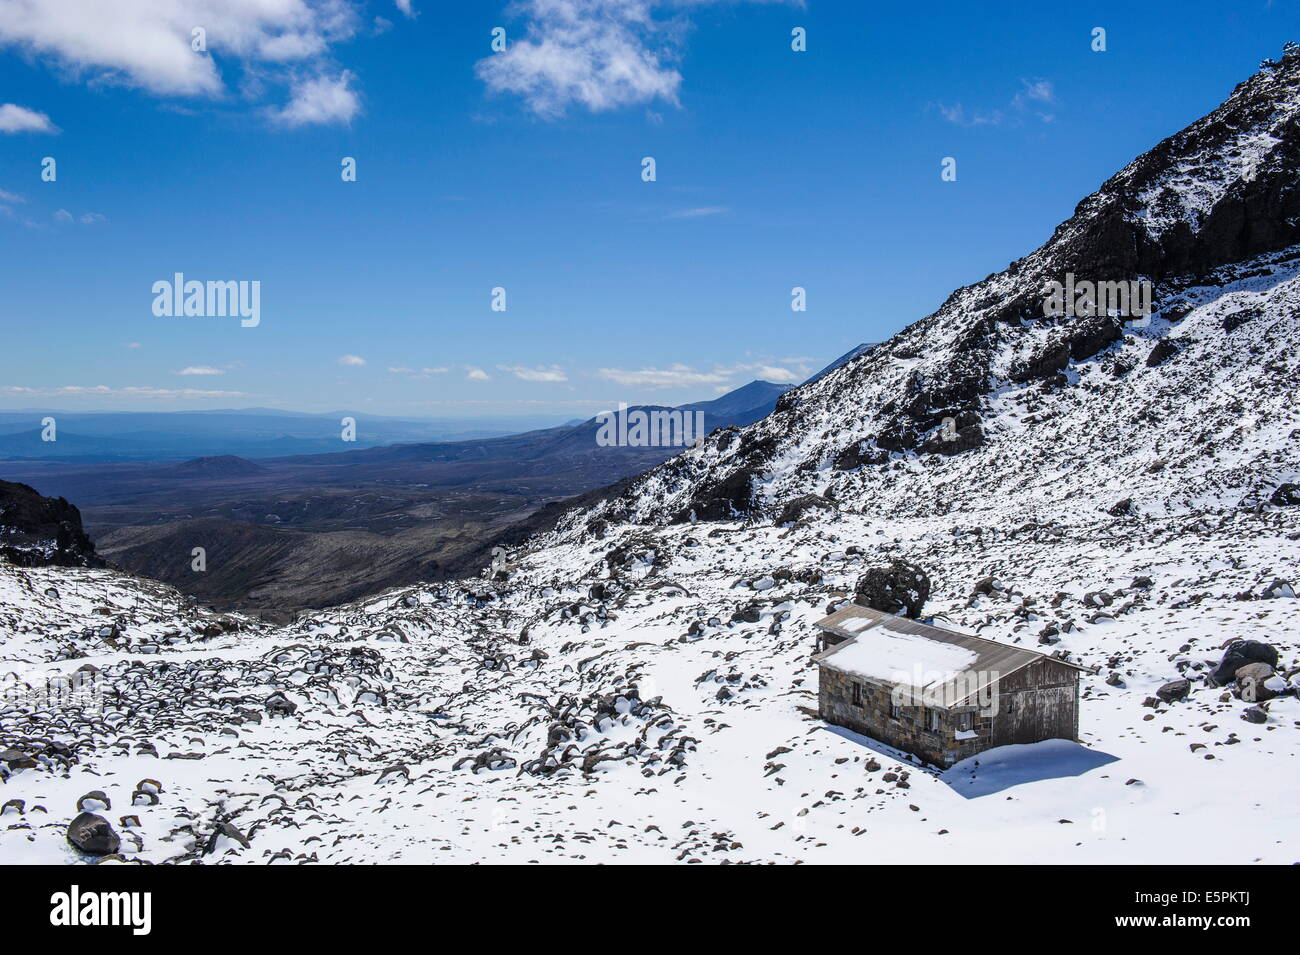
(1198, 215)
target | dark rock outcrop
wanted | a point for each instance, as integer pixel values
(1286, 495)
(859, 454)
(726, 500)
(802, 506)
(1164, 350)
(37, 531)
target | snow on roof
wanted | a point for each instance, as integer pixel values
(895, 657)
(945, 667)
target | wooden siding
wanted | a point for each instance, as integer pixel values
(1037, 702)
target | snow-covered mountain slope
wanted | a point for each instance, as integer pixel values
(1190, 407)
(635, 685)
(652, 704)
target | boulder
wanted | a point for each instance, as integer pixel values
(802, 506)
(1286, 495)
(1174, 690)
(1241, 653)
(1255, 714)
(858, 454)
(223, 831)
(1252, 680)
(1164, 350)
(277, 704)
(93, 835)
(899, 588)
(1278, 589)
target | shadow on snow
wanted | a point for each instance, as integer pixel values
(999, 768)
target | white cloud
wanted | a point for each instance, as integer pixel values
(104, 391)
(418, 374)
(132, 344)
(62, 215)
(200, 370)
(1037, 91)
(20, 119)
(598, 54)
(1033, 96)
(92, 218)
(723, 378)
(320, 100)
(405, 7)
(789, 370)
(6, 196)
(777, 374)
(957, 114)
(476, 374)
(675, 376)
(147, 44)
(353, 361)
(698, 212)
(543, 373)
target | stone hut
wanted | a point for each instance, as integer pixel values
(939, 694)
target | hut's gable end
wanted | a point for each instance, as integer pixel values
(1040, 701)
(994, 695)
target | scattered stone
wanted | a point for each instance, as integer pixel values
(1174, 690)
(93, 835)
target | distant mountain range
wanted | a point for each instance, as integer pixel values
(270, 433)
(247, 432)
(313, 529)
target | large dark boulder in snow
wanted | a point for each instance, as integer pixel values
(1241, 653)
(859, 454)
(37, 531)
(1255, 714)
(900, 588)
(1286, 495)
(1050, 360)
(802, 506)
(93, 835)
(1164, 350)
(1091, 335)
(966, 439)
(1174, 690)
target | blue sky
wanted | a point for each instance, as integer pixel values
(522, 169)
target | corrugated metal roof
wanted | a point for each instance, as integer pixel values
(992, 661)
